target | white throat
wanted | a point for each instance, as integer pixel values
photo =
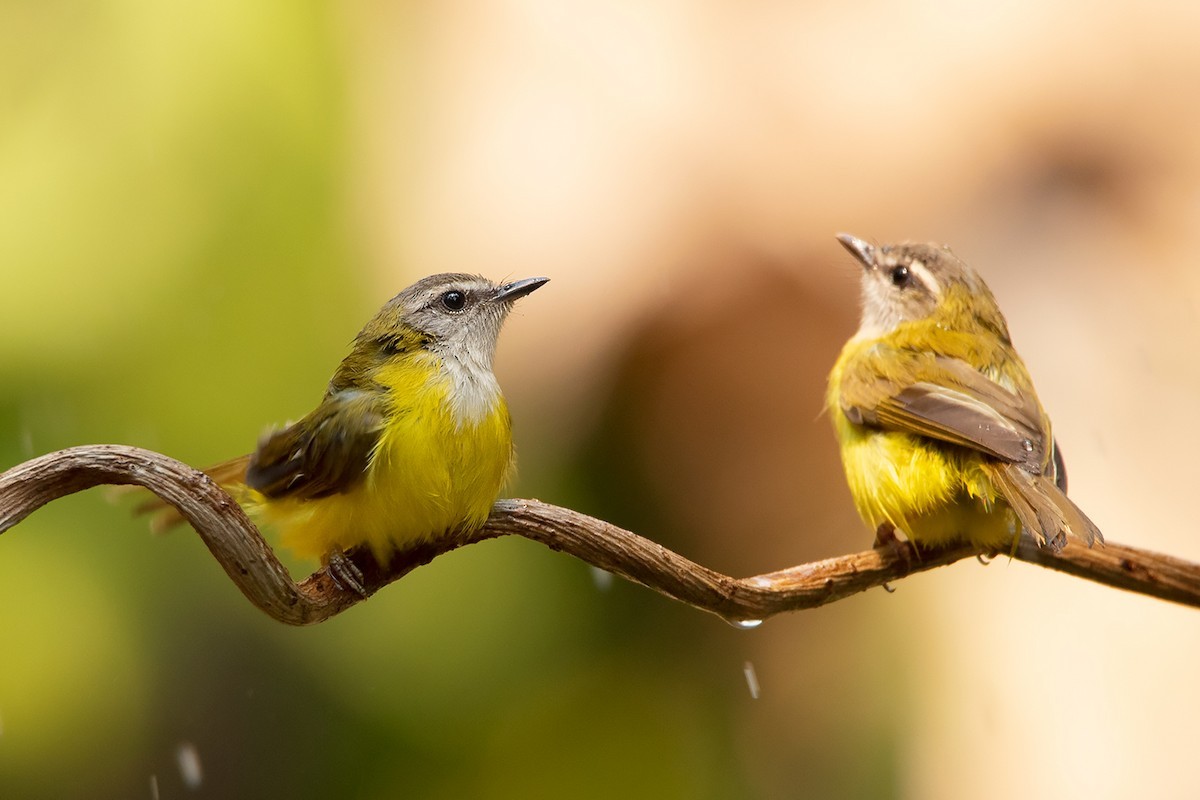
(474, 391)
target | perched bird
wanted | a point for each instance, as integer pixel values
(941, 432)
(411, 440)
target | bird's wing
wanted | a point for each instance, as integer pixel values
(947, 399)
(325, 453)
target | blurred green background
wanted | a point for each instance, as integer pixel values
(201, 203)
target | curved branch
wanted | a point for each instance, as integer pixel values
(248, 560)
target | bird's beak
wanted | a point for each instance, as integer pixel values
(511, 291)
(863, 251)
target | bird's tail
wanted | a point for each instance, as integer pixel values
(229, 475)
(1045, 510)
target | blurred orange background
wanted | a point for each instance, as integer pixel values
(200, 205)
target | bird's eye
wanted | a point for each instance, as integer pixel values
(901, 276)
(454, 300)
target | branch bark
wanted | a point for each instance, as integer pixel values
(250, 563)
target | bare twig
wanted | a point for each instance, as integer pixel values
(249, 562)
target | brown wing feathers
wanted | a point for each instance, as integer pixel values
(1044, 511)
(949, 400)
(326, 452)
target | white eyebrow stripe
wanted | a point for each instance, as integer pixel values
(926, 277)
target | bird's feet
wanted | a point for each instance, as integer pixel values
(885, 536)
(886, 540)
(345, 574)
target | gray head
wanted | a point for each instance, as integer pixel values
(909, 282)
(452, 313)
(456, 316)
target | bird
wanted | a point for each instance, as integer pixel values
(411, 440)
(941, 432)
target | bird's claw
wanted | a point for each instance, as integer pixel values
(886, 540)
(885, 535)
(345, 574)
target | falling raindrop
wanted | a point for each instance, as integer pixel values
(751, 679)
(189, 765)
(153, 787)
(602, 578)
